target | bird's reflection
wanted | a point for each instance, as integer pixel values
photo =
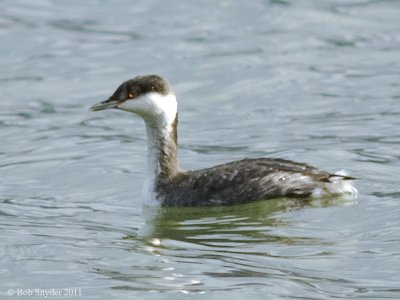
(180, 248)
(225, 225)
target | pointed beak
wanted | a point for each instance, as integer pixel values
(105, 105)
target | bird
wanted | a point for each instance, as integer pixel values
(251, 179)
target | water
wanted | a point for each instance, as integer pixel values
(313, 81)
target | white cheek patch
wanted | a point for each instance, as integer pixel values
(135, 105)
(153, 106)
(167, 106)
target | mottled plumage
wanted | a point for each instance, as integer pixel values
(244, 181)
(241, 181)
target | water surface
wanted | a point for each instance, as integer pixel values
(313, 81)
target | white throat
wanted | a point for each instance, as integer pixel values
(156, 137)
(160, 115)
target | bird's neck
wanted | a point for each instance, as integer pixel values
(162, 141)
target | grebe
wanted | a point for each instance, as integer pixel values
(152, 98)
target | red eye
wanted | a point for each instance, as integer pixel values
(131, 95)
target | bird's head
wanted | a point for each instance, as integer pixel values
(149, 96)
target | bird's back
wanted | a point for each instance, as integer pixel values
(249, 180)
